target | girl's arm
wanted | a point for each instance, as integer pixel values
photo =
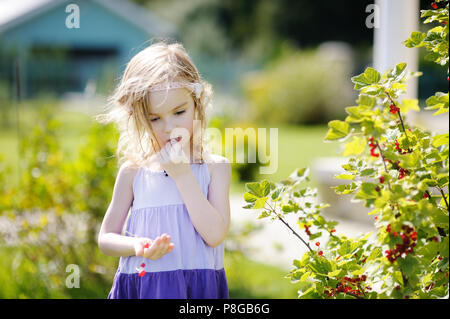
(211, 218)
(110, 240)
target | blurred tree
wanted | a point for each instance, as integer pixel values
(257, 30)
(257, 27)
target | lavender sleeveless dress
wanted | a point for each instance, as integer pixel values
(192, 270)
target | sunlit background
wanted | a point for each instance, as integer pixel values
(273, 64)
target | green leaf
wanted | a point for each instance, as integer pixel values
(360, 81)
(366, 100)
(367, 172)
(409, 104)
(367, 191)
(373, 212)
(322, 266)
(374, 254)
(264, 214)
(407, 141)
(265, 188)
(432, 56)
(258, 189)
(254, 188)
(334, 273)
(345, 248)
(429, 251)
(439, 217)
(440, 111)
(358, 272)
(399, 69)
(443, 247)
(344, 176)
(349, 168)
(411, 160)
(441, 139)
(314, 236)
(438, 101)
(372, 75)
(276, 193)
(250, 198)
(260, 203)
(398, 277)
(338, 129)
(410, 265)
(415, 39)
(297, 263)
(355, 147)
(344, 188)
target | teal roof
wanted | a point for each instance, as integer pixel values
(13, 13)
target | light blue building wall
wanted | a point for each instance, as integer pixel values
(109, 33)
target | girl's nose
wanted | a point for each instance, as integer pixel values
(168, 127)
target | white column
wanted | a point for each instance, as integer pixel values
(397, 19)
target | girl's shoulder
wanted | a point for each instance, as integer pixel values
(216, 162)
(128, 169)
(215, 158)
(129, 166)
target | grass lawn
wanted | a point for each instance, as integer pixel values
(298, 147)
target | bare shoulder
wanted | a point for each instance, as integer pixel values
(216, 158)
(127, 172)
(129, 167)
(218, 165)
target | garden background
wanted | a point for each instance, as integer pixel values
(284, 64)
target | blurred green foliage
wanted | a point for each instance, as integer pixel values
(300, 87)
(56, 209)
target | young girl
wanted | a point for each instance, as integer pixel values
(172, 246)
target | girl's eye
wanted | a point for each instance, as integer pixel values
(177, 113)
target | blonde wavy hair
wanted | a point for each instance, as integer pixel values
(128, 107)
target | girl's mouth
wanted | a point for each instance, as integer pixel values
(174, 140)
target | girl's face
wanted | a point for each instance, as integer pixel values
(171, 115)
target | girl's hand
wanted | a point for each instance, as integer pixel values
(157, 248)
(173, 159)
(139, 245)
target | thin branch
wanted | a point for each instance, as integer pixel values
(287, 225)
(323, 225)
(443, 195)
(360, 289)
(385, 167)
